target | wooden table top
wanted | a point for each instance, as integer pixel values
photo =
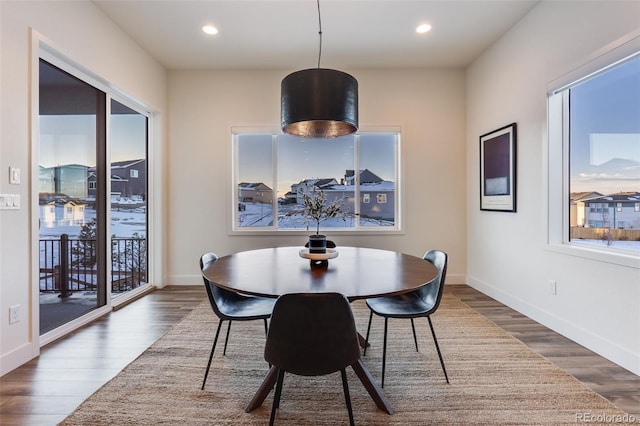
(358, 273)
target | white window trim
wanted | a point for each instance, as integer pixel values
(558, 154)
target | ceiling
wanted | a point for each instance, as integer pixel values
(282, 34)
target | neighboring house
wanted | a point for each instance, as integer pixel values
(621, 211)
(366, 176)
(48, 214)
(577, 215)
(256, 192)
(128, 179)
(61, 212)
(73, 213)
(303, 187)
(377, 196)
(377, 200)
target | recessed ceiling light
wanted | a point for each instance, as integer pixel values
(210, 29)
(423, 28)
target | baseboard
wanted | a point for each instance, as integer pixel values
(14, 359)
(184, 280)
(603, 347)
(455, 279)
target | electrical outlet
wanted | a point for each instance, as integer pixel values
(14, 314)
(553, 287)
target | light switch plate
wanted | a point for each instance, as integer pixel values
(9, 201)
(14, 175)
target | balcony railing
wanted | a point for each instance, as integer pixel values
(69, 265)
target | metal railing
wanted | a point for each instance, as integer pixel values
(68, 265)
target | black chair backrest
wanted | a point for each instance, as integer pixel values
(312, 334)
(432, 293)
(217, 296)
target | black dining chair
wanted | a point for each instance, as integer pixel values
(312, 334)
(230, 306)
(419, 303)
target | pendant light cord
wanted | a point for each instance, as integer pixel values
(319, 33)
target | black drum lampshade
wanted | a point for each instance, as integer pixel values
(319, 103)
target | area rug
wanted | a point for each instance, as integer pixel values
(494, 379)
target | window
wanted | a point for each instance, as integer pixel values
(272, 171)
(133, 173)
(594, 156)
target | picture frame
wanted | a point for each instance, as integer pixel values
(498, 169)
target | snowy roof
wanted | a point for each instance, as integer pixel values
(125, 164)
(621, 197)
(253, 185)
(385, 185)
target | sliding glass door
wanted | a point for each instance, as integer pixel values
(93, 194)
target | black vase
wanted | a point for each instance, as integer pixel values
(317, 243)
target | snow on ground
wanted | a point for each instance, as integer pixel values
(290, 216)
(619, 245)
(124, 223)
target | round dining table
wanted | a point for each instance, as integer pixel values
(356, 272)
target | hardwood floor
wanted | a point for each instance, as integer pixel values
(45, 390)
(611, 381)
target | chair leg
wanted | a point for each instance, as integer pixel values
(266, 333)
(366, 339)
(415, 338)
(276, 397)
(347, 397)
(213, 348)
(384, 349)
(435, 340)
(226, 339)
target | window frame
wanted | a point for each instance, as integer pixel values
(396, 229)
(557, 153)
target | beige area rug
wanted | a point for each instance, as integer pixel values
(495, 379)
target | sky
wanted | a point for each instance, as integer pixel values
(605, 128)
(300, 158)
(70, 139)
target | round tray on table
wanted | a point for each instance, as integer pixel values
(318, 260)
(330, 254)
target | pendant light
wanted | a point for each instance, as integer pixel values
(319, 102)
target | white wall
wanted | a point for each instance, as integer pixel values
(428, 105)
(80, 31)
(597, 304)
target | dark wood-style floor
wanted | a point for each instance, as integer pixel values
(45, 390)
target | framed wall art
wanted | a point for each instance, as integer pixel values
(498, 169)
